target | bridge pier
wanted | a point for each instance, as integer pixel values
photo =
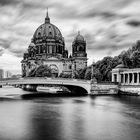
(104, 89)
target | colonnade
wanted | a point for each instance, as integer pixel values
(130, 78)
(127, 78)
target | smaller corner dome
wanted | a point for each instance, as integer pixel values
(79, 37)
(121, 66)
(32, 44)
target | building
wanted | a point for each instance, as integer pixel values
(16, 76)
(1, 73)
(126, 76)
(47, 47)
(7, 74)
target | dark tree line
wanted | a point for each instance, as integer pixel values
(130, 59)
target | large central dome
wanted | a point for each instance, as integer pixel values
(48, 40)
(47, 30)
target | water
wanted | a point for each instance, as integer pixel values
(68, 118)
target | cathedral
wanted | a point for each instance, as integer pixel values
(47, 47)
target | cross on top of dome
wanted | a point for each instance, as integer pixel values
(47, 19)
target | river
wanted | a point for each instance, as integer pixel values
(68, 118)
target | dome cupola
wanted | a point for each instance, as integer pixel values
(48, 39)
(79, 38)
(120, 66)
(47, 31)
(79, 46)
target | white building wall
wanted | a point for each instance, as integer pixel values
(1, 73)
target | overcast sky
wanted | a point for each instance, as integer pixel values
(109, 26)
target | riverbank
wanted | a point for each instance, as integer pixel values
(128, 93)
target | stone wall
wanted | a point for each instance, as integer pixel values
(130, 89)
(104, 88)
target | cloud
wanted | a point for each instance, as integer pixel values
(107, 26)
(134, 23)
(1, 51)
(8, 2)
(4, 43)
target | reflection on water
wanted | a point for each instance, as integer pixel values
(68, 118)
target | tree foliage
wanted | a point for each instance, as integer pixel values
(41, 71)
(130, 59)
(64, 75)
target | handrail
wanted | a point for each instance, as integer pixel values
(44, 78)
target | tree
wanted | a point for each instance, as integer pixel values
(127, 61)
(88, 74)
(136, 59)
(81, 73)
(32, 73)
(41, 71)
(64, 75)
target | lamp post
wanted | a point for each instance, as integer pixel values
(93, 78)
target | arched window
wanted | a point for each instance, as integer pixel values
(80, 48)
(50, 33)
(41, 49)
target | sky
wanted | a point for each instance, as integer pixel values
(108, 26)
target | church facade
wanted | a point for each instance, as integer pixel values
(47, 47)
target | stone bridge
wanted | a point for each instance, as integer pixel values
(74, 85)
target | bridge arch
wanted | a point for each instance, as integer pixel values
(77, 89)
(74, 85)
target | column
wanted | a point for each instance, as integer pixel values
(139, 78)
(132, 78)
(118, 77)
(128, 79)
(123, 78)
(112, 77)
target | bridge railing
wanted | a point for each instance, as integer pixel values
(30, 78)
(43, 79)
